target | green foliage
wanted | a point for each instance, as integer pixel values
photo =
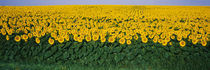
(105, 54)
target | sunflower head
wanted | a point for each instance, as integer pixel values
(167, 39)
(30, 35)
(37, 40)
(151, 36)
(172, 37)
(95, 37)
(51, 41)
(76, 37)
(80, 39)
(136, 37)
(122, 41)
(128, 42)
(144, 40)
(24, 37)
(179, 38)
(164, 43)
(60, 39)
(170, 43)
(203, 43)
(190, 36)
(10, 32)
(155, 40)
(160, 40)
(67, 37)
(4, 32)
(88, 38)
(103, 39)
(194, 41)
(111, 39)
(182, 43)
(7, 37)
(17, 38)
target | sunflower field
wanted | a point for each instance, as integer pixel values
(165, 36)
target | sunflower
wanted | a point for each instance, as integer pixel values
(203, 43)
(205, 38)
(51, 41)
(130, 37)
(151, 36)
(34, 33)
(185, 36)
(198, 35)
(56, 37)
(82, 36)
(43, 33)
(182, 43)
(17, 38)
(162, 36)
(37, 40)
(136, 37)
(155, 40)
(194, 41)
(4, 33)
(80, 39)
(156, 36)
(160, 40)
(127, 37)
(144, 40)
(164, 42)
(39, 35)
(120, 35)
(172, 37)
(179, 38)
(76, 37)
(53, 34)
(7, 37)
(103, 39)
(25, 31)
(60, 39)
(122, 41)
(170, 43)
(95, 37)
(30, 35)
(67, 37)
(24, 37)
(194, 37)
(167, 39)
(190, 36)
(128, 42)
(88, 38)
(111, 39)
(10, 32)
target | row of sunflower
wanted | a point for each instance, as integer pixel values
(122, 24)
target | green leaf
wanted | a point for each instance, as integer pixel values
(65, 55)
(118, 57)
(130, 56)
(67, 44)
(117, 49)
(172, 49)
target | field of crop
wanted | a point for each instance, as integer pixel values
(156, 37)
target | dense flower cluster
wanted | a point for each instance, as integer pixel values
(122, 24)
